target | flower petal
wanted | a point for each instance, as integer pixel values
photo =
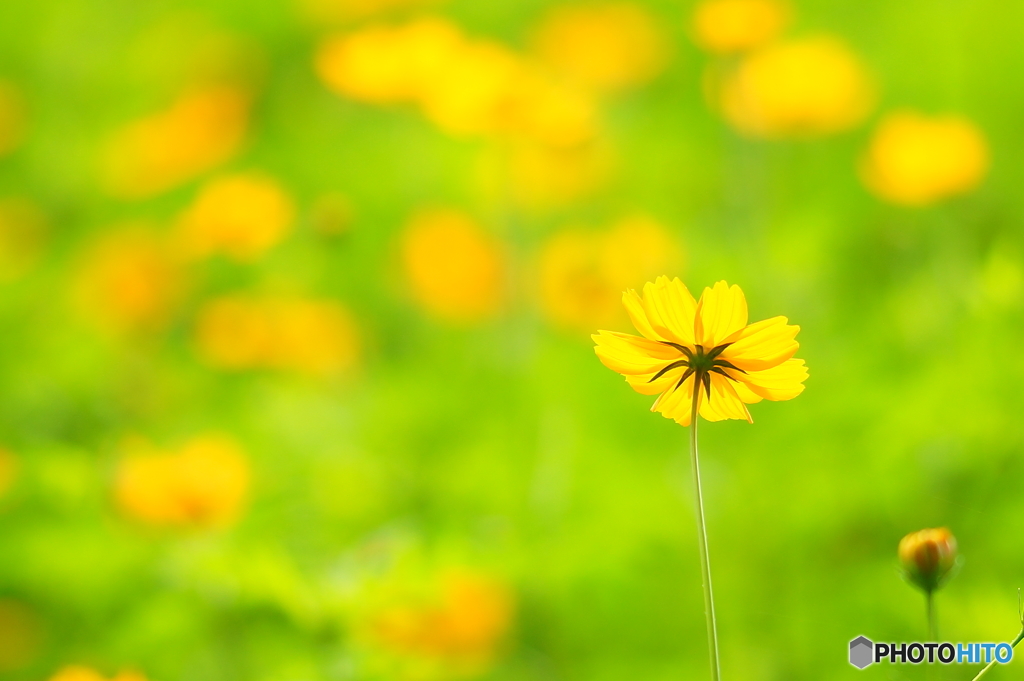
(638, 315)
(783, 382)
(763, 345)
(632, 355)
(724, 402)
(745, 394)
(722, 311)
(676, 403)
(645, 386)
(670, 309)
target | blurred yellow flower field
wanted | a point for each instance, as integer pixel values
(296, 297)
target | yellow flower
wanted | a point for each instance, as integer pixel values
(389, 64)
(241, 216)
(204, 484)
(12, 118)
(727, 26)
(453, 632)
(542, 176)
(201, 130)
(465, 87)
(685, 341)
(8, 470)
(78, 673)
(928, 557)
(455, 269)
(607, 46)
(129, 282)
(917, 160)
(807, 87)
(316, 337)
(582, 273)
(23, 233)
(478, 92)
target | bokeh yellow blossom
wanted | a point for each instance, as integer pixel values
(478, 91)
(464, 86)
(582, 273)
(928, 557)
(454, 269)
(79, 673)
(385, 64)
(316, 337)
(604, 46)
(21, 635)
(455, 631)
(8, 470)
(799, 88)
(204, 483)
(129, 281)
(241, 216)
(540, 177)
(729, 26)
(202, 129)
(12, 118)
(702, 353)
(917, 160)
(24, 230)
(551, 113)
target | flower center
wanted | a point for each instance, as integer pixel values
(699, 364)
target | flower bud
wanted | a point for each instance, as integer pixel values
(927, 557)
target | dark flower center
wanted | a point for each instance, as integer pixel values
(700, 364)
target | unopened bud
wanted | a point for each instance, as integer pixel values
(928, 557)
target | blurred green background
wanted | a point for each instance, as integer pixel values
(295, 300)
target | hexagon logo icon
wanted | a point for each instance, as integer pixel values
(860, 652)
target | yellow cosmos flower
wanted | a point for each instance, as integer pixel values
(308, 336)
(727, 26)
(928, 557)
(798, 88)
(455, 269)
(604, 46)
(453, 627)
(203, 484)
(242, 216)
(77, 673)
(703, 345)
(917, 160)
(128, 282)
(582, 272)
(201, 130)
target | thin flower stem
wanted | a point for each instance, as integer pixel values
(702, 537)
(933, 626)
(991, 664)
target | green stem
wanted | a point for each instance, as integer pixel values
(702, 537)
(933, 627)
(991, 664)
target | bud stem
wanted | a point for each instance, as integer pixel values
(991, 664)
(702, 537)
(933, 626)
